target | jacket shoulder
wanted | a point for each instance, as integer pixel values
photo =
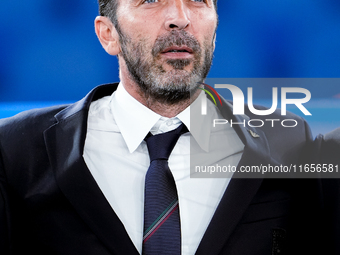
(35, 119)
(40, 119)
(327, 147)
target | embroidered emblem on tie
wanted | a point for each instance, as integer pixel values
(253, 134)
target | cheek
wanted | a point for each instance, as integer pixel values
(141, 25)
(204, 27)
(141, 38)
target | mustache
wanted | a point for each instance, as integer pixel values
(176, 38)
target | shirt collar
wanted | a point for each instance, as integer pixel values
(198, 124)
(135, 120)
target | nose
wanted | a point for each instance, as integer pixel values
(177, 16)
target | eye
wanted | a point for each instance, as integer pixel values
(200, 1)
(150, 1)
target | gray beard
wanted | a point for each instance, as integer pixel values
(166, 87)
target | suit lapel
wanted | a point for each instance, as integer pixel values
(65, 143)
(240, 192)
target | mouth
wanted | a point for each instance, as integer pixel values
(178, 52)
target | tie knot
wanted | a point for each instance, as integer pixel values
(160, 146)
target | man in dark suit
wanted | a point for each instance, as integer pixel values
(56, 184)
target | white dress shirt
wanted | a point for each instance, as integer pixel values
(117, 157)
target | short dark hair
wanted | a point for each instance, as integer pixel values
(108, 8)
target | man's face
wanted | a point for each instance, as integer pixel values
(167, 45)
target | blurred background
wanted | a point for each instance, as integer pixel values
(49, 53)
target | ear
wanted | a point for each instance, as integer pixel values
(107, 35)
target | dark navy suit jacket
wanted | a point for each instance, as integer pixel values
(326, 151)
(50, 203)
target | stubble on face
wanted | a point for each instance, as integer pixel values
(166, 81)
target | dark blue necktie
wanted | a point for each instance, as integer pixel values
(162, 233)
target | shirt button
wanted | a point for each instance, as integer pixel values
(169, 123)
